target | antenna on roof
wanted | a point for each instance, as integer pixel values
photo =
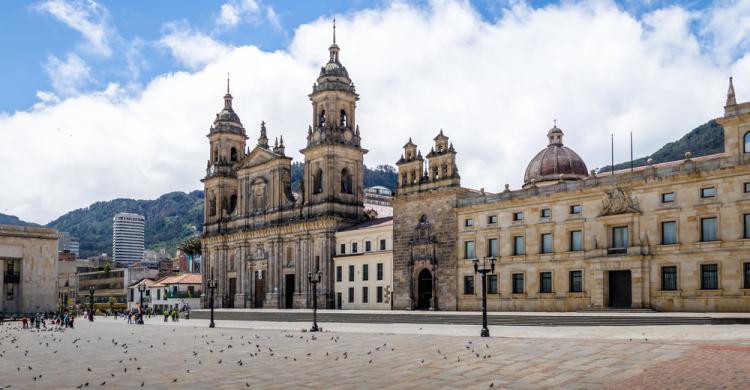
(612, 153)
(631, 151)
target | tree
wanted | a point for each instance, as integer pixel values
(107, 268)
(191, 246)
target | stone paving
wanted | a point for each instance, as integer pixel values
(166, 356)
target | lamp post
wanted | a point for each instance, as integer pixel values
(314, 279)
(484, 269)
(211, 286)
(91, 313)
(141, 289)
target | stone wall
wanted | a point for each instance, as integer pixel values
(34, 254)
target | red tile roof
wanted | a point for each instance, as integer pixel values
(182, 279)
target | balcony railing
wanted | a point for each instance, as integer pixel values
(617, 251)
(183, 295)
(12, 277)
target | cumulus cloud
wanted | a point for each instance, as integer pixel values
(67, 76)
(493, 86)
(85, 16)
(191, 48)
(234, 12)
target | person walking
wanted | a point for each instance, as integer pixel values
(166, 314)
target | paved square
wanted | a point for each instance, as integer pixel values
(166, 356)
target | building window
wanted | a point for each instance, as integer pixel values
(519, 246)
(746, 138)
(667, 197)
(492, 247)
(668, 233)
(365, 294)
(669, 278)
(492, 220)
(351, 295)
(354, 247)
(469, 250)
(576, 281)
(746, 272)
(468, 284)
(379, 294)
(351, 272)
(546, 213)
(518, 283)
(546, 243)
(576, 209)
(708, 229)
(365, 272)
(342, 250)
(747, 187)
(619, 239)
(9, 292)
(382, 245)
(576, 240)
(380, 271)
(708, 192)
(518, 216)
(545, 282)
(492, 287)
(368, 246)
(746, 227)
(469, 222)
(158, 293)
(709, 277)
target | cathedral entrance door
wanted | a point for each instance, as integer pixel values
(289, 291)
(619, 289)
(232, 292)
(424, 290)
(260, 289)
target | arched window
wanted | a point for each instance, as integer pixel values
(346, 181)
(232, 203)
(216, 154)
(343, 118)
(423, 218)
(322, 118)
(404, 179)
(747, 142)
(212, 206)
(233, 154)
(318, 182)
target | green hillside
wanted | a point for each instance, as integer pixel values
(705, 139)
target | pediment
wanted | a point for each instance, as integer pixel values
(259, 156)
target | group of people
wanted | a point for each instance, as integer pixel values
(39, 321)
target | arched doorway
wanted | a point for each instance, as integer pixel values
(424, 290)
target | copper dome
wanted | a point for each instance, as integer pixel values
(555, 162)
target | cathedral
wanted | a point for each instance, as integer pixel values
(260, 239)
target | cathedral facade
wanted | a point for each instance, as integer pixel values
(260, 239)
(673, 236)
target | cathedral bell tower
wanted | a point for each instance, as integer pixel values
(334, 169)
(226, 149)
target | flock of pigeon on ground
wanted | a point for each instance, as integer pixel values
(206, 355)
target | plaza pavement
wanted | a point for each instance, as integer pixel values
(241, 355)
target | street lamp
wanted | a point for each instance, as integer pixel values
(91, 313)
(141, 289)
(314, 279)
(211, 286)
(484, 269)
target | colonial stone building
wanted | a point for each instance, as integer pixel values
(260, 240)
(673, 236)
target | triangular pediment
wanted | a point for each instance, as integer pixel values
(259, 156)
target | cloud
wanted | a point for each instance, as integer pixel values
(85, 16)
(234, 12)
(493, 86)
(67, 76)
(191, 48)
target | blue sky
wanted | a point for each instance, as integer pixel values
(110, 99)
(33, 35)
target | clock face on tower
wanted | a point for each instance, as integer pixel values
(348, 135)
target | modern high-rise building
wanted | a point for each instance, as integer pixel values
(127, 237)
(66, 242)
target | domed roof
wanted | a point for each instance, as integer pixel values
(555, 162)
(227, 120)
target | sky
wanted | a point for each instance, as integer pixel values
(112, 99)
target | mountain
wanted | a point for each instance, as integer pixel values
(170, 219)
(6, 219)
(705, 139)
